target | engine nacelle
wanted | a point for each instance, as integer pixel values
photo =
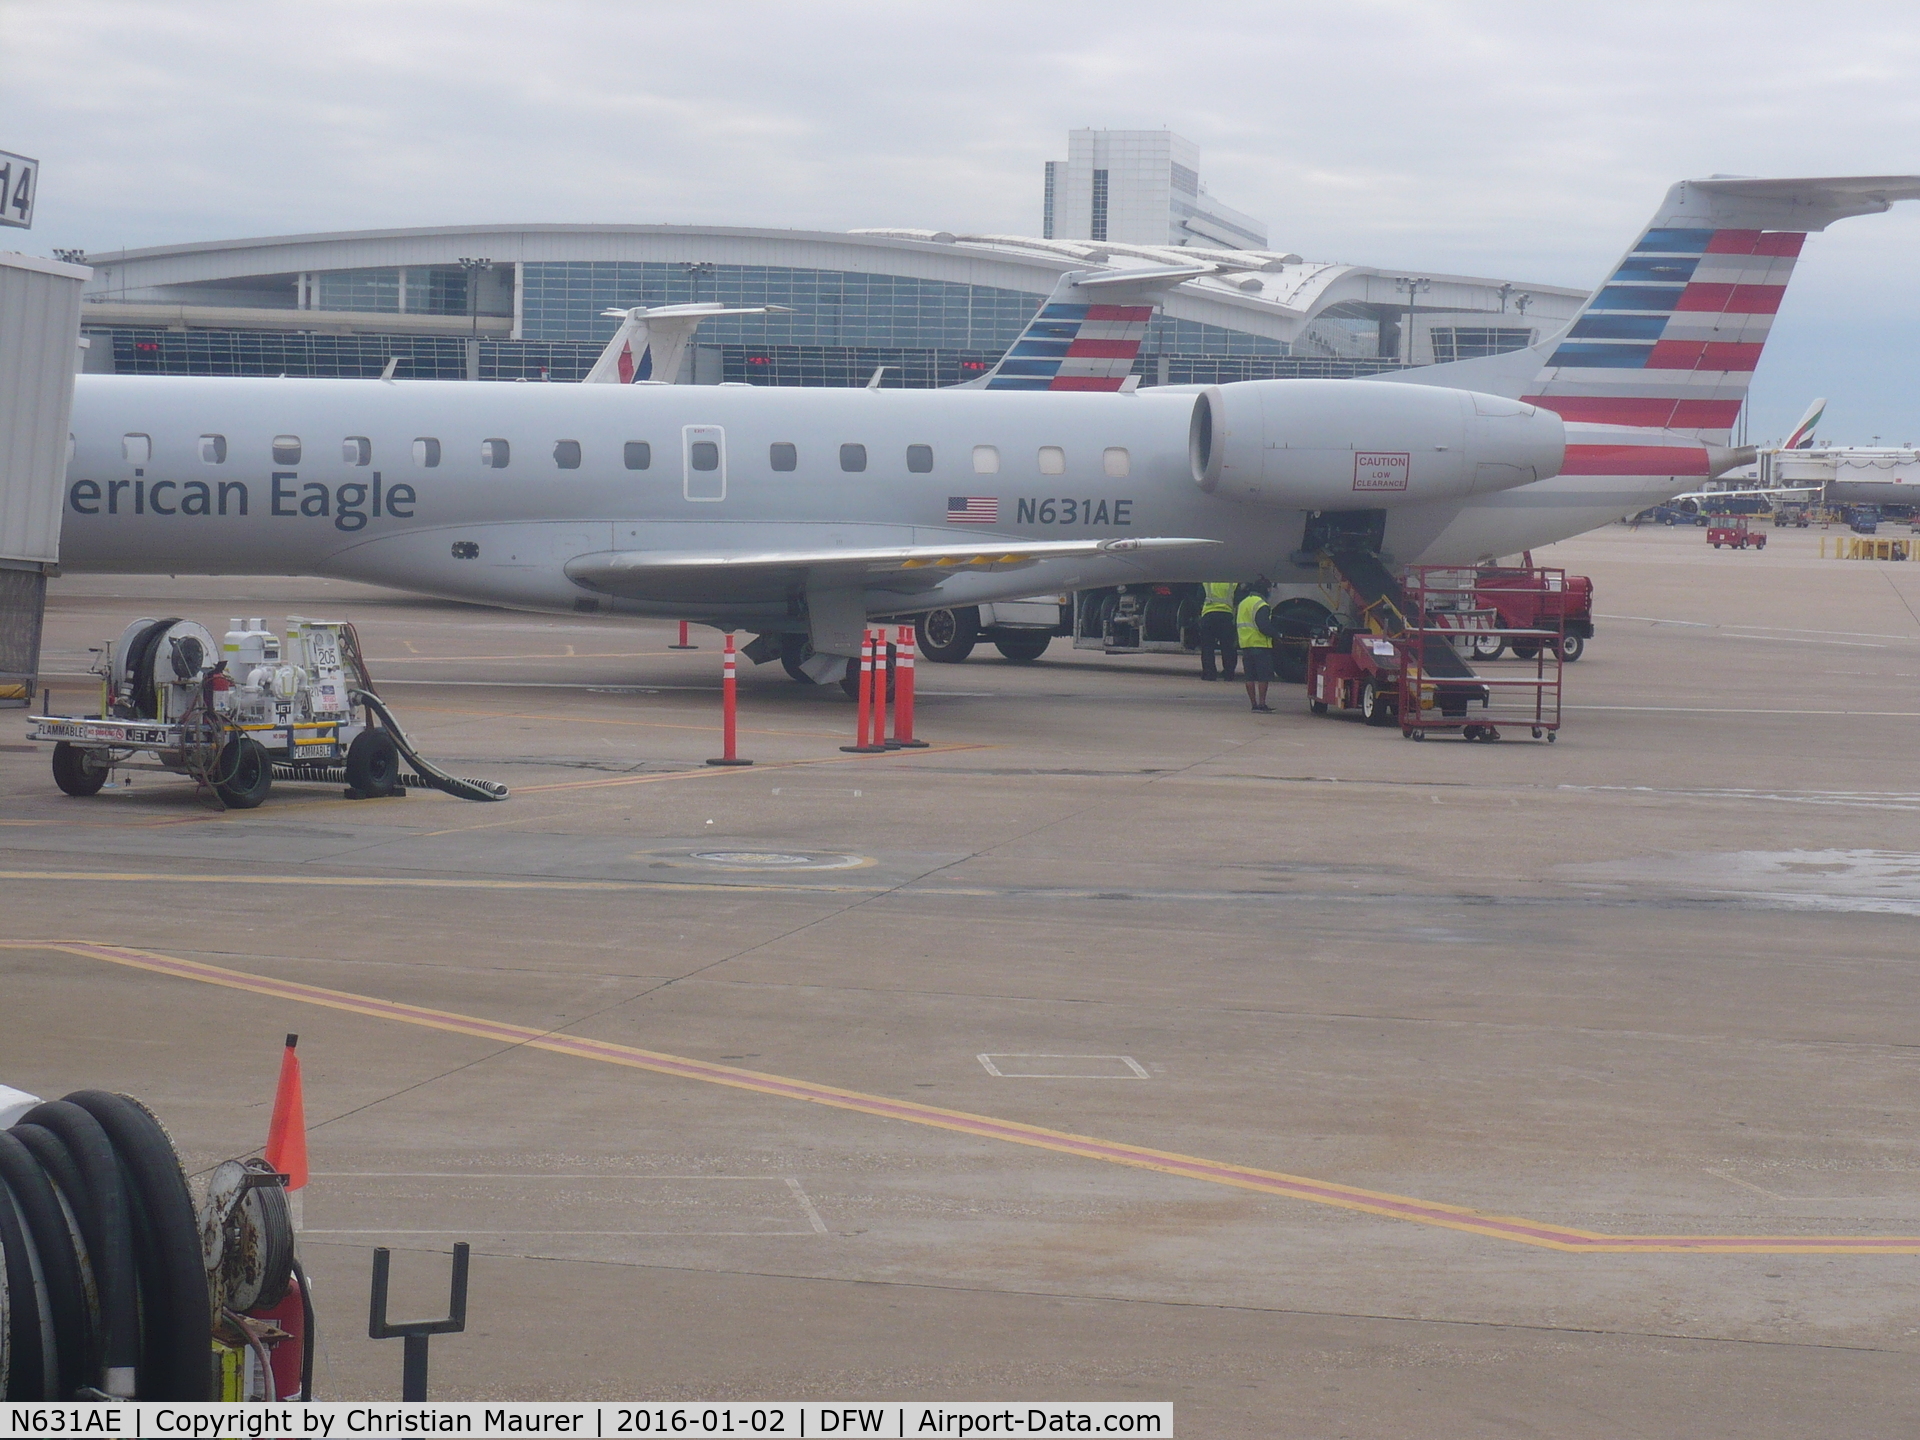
(1359, 445)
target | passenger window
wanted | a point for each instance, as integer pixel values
(986, 460)
(1116, 462)
(1053, 460)
(426, 452)
(920, 459)
(137, 449)
(495, 454)
(639, 455)
(286, 449)
(704, 455)
(357, 450)
(566, 454)
(853, 457)
(213, 449)
(782, 456)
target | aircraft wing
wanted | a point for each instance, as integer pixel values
(752, 575)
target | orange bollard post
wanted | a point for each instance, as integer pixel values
(903, 694)
(727, 707)
(864, 692)
(683, 645)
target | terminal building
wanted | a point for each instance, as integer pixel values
(524, 302)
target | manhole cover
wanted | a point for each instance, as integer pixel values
(759, 859)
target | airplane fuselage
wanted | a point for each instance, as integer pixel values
(486, 492)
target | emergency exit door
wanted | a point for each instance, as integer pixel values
(703, 455)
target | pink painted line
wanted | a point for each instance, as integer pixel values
(1294, 1187)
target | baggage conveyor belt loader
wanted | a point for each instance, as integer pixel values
(237, 716)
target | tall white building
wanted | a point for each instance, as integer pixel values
(1140, 187)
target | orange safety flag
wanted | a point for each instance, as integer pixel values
(287, 1134)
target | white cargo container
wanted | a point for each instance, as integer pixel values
(39, 340)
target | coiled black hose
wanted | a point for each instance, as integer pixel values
(103, 1262)
(434, 776)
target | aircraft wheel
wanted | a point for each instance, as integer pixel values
(795, 651)
(75, 772)
(1022, 646)
(948, 636)
(373, 764)
(244, 774)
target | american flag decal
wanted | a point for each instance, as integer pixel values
(973, 510)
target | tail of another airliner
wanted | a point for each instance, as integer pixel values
(1802, 436)
(1087, 333)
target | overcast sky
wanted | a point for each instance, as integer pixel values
(1523, 141)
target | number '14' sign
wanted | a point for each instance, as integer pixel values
(19, 185)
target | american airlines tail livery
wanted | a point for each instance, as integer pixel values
(803, 512)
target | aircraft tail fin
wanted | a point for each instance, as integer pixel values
(1671, 338)
(1087, 333)
(652, 339)
(1802, 436)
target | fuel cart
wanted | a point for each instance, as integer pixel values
(234, 716)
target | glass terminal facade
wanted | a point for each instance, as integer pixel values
(843, 325)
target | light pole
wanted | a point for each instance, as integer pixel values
(474, 268)
(1413, 286)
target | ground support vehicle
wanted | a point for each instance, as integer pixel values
(1445, 614)
(1792, 517)
(1018, 629)
(1520, 600)
(1734, 532)
(1351, 669)
(236, 716)
(1164, 619)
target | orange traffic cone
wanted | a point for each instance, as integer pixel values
(287, 1133)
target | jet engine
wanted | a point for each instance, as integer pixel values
(1351, 444)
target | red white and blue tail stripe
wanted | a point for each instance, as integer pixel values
(1671, 339)
(1070, 345)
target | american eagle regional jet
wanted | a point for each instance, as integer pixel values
(800, 514)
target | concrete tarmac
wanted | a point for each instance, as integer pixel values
(1657, 979)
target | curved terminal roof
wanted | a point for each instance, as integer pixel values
(1269, 293)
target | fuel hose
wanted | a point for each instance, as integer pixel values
(106, 1283)
(439, 779)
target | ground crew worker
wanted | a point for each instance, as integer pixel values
(1216, 630)
(1254, 631)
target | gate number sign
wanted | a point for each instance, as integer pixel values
(19, 185)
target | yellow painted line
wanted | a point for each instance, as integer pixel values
(1543, 1234)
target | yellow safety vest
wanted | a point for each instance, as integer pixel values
(1219, 595)
(1252, 637)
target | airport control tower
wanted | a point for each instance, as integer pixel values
(1140, 187)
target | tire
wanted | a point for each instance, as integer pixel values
(1375, 708)
(243, 774)
(1488, 647)
(850, 682)
(75, 772)
(1318, 707)
(1297, 620)
(947, 637)
(1022, 646)
(795, 651)
(1572, 647)
(373, 764)
(1525, 649)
